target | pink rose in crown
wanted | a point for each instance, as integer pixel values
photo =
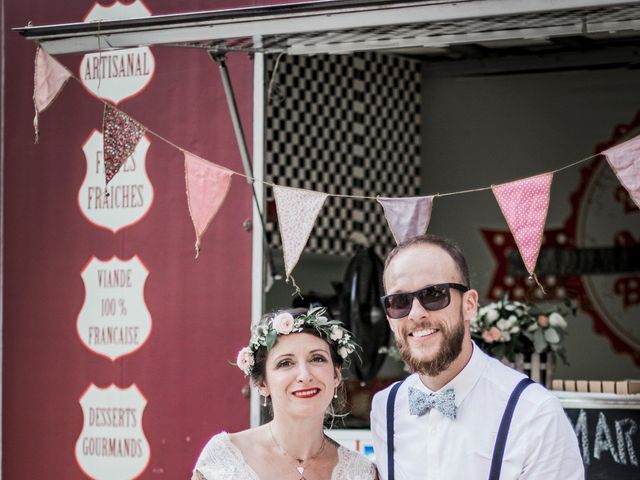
(245, 360)
(491, 335)
(283, 323)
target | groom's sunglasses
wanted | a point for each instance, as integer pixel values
(433, 297)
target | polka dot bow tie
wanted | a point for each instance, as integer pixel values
(420, 402)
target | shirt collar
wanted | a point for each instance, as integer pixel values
(464, 382)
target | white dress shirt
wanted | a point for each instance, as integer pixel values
(541, 444)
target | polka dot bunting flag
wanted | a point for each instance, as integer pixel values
(524, 204)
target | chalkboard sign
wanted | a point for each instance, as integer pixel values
(608, 431)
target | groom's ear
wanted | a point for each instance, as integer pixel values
(470, 304)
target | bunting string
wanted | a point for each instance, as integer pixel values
(524, 202)
(337, 195)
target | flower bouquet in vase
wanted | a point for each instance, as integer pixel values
(525, 336)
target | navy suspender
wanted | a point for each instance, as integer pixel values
(391, 402)
(501, 439)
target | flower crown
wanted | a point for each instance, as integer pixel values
(266, 334)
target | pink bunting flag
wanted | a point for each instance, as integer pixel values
(48, 79)
(121, 135)
(407, 217)
(297, 211)
(207, 187)
(524, 204)
(625, 162)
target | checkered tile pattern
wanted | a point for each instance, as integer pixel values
(348, 125)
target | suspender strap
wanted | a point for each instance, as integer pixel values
(501, 440)
(391, 402)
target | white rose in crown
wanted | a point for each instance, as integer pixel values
(283, 323)
(343, 352)
(336, 333)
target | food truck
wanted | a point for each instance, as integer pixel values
(128, 287)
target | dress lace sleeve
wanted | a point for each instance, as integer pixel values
(353, 466)
(221, 460)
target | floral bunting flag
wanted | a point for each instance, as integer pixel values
(207, 187)
(297, 211)
(524, 204)
(625, 162)
(407, 217)
(49, 78)
(121, 135)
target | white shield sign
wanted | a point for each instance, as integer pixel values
(114, 319)
(117, 11)
(130, 193)
(116, 75)
(112, 444)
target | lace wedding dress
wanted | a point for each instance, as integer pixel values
(221, 460)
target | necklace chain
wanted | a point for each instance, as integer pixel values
(301, 462)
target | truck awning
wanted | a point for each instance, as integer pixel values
(349, 26)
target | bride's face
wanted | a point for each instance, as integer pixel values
(300, 375)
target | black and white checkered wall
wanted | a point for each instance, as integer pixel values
(348, 125)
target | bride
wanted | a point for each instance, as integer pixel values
(295, 363)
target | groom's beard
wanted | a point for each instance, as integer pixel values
(449, 350)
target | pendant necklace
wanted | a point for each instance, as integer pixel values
(301, 462)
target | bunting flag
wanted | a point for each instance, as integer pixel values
(49, 78)
(524, 204)
(625, 162)
(407, 217)
(297, 211)
(121, 135)
(207, 187)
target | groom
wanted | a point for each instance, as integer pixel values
(461, 414)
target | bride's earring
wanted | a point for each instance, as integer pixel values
(335, 392)
(264, 402)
